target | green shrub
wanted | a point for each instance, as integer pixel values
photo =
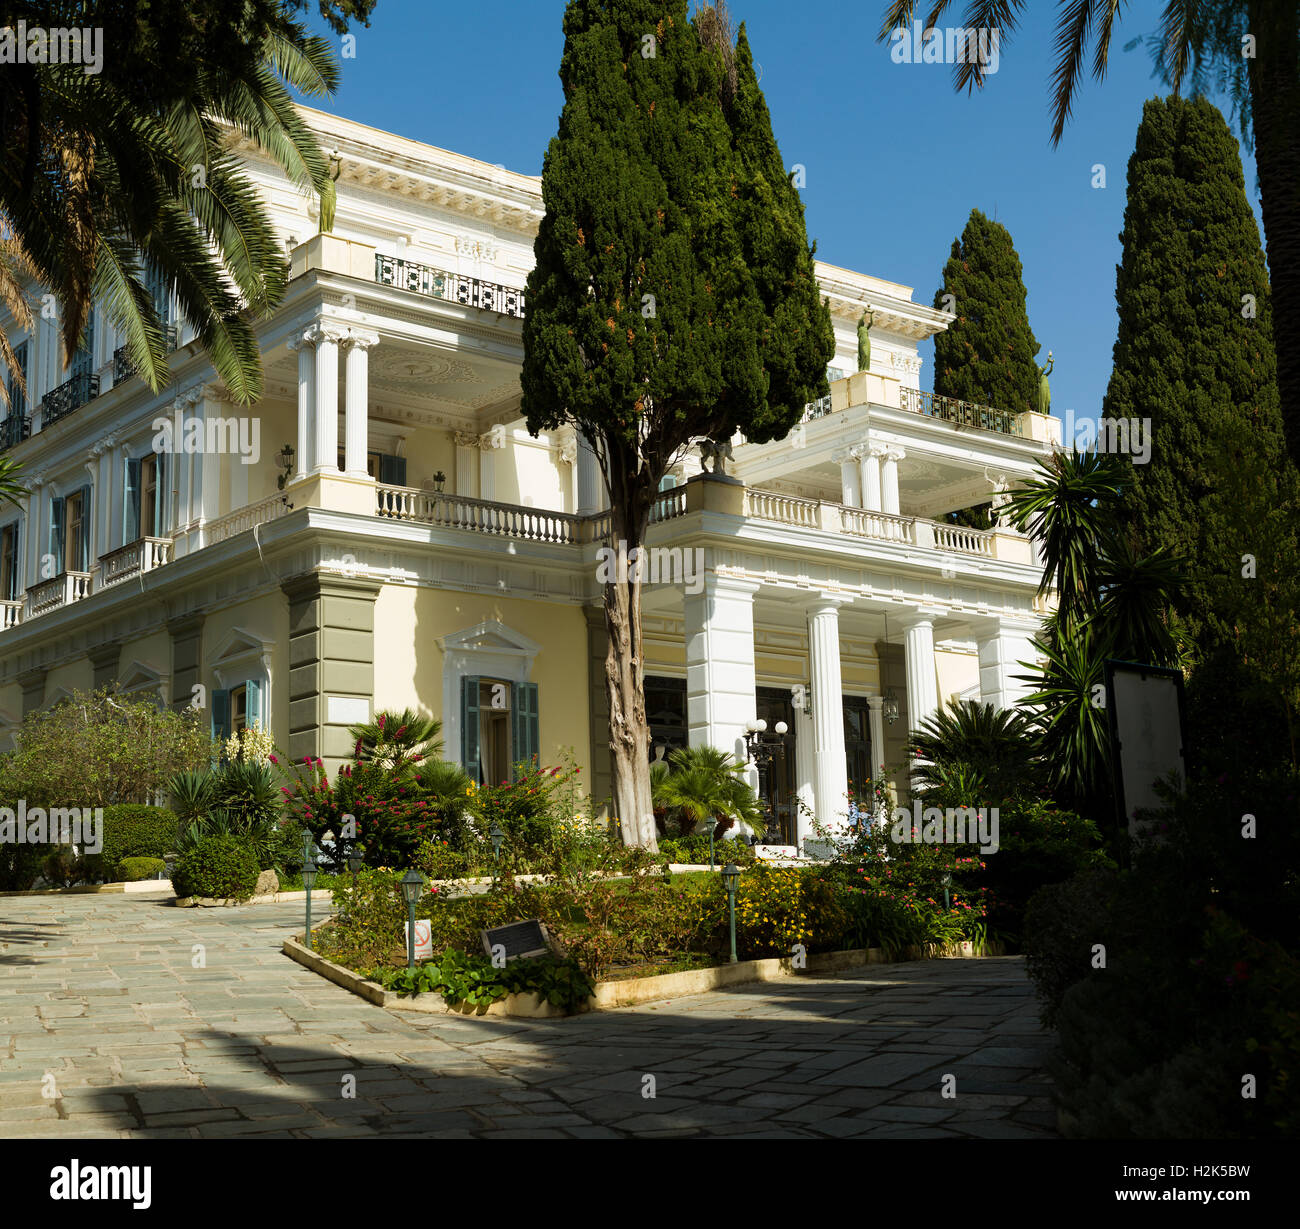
(21, 865)
(222, 867)
(134, 869)
(136, 831)
(473, 979)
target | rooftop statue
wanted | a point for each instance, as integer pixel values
(867, 319)
(1044, 389)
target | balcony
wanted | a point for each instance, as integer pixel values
(70, 395)
(124, 368)
(479, 516)
(133, 559)
(49, 595)
(914, 531)
(14, 429)
(454, 287)
(961, 413)
(11, 613)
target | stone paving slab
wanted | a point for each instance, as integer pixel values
(101, 992)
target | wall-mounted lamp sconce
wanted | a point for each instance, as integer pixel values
(336, 165)
(284, 459)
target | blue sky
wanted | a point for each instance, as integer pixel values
(895, 158)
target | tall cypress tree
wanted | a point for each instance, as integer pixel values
(673, 294)
(1194, 352)
(987, 354)
(1194, 355)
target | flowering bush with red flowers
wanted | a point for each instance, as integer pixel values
(381, 788)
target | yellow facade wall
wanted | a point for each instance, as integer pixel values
(957, 672)
(410, 622)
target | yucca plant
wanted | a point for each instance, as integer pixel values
(192, 795)
(246, 789)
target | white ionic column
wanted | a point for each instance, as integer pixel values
(922, 677)
(305, 345)
(720, 701)
(830, 764)
(356, 406)
(104, 494)
(870, 463)
(490, 443)
(467, 455)
(850, 477)
(325, 459)
(1003, 645)
(117, 459)
(208, 470)
(877, 705)
(889, 480)
(591, 487)
(805, 767)
(92, 530)
(36, 529)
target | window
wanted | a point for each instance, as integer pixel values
(499, 727)
(238, 708)
(149, 495)
(142, 509)
(75, 550)
(665, 710)
(17, 400)
(9, 563)
(857, 738)
(82, 362)
(69, 539)
(382, 467)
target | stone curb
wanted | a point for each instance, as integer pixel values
(133, 887)
(272, 898)
(627, 993)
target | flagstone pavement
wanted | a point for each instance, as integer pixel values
(124, 1017)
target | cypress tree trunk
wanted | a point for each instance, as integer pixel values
(629, 735)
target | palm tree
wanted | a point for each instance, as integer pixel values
(704, 783)
(398, 741)
(1071, 511)
(131, 167)
(1250, 48)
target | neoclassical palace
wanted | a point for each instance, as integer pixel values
(381, 531)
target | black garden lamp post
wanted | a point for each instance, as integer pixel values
(412, 882)
(731, 881)
(309, 854)
(355, 862)
(947, 883)
(497, 835)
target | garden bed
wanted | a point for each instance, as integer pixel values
(620, 992)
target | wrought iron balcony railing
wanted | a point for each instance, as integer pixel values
(454, 287)
(14, 429)
(124, 368)
(70, 395)
(961, 413)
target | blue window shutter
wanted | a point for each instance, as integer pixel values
(221, 715)
(56, 533)
(469, 751)
(160, 500)
(392, 471)
(525, 742)
(253, 704)
(131, 503)
(87, 520)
